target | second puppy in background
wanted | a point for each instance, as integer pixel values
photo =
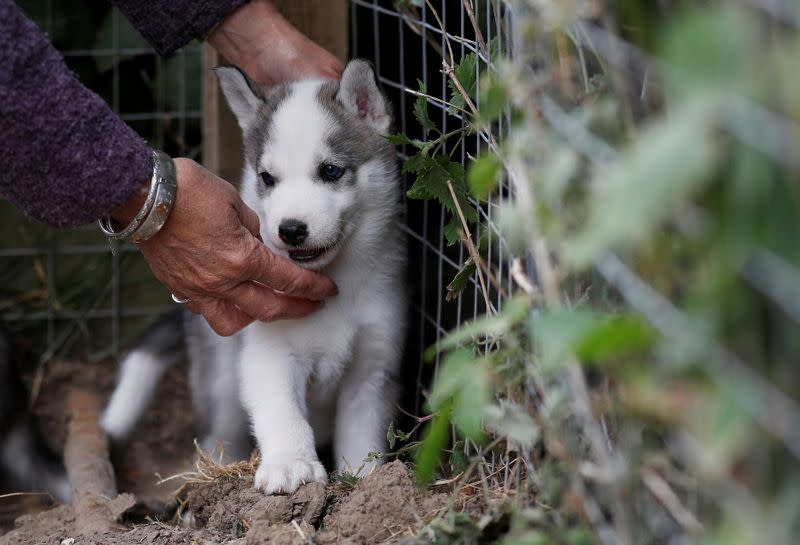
(323, 179)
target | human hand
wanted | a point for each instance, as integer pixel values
(210, 252)
(257, 39)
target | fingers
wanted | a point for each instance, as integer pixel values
(246, 303)
(282, 275)
(250, 220)
(263, 304)
(223, 317)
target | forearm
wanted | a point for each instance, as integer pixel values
(66, 158)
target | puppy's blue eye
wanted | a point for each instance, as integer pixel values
(330, 173)
(268, 179)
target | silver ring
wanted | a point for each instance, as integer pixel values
(179, 300)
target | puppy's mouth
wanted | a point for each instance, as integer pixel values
(307, 255)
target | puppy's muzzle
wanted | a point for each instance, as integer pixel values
(293, 232)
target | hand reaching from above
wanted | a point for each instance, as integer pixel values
(258, 39)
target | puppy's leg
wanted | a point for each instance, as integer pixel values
(228, 431)
(214, 377)
(366, 401)
(273, 390)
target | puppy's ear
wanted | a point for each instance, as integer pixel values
(359, 93)
(244, 95)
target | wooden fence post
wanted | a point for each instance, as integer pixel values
(324, 21)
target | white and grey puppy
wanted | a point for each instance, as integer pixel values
(323, 179)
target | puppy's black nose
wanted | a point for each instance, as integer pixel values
(293, 232)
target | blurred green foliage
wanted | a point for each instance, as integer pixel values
(642, 385)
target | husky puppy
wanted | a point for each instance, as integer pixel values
(323, 179)
(25, 462)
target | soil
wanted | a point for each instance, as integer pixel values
(161, 444)
(384, 507)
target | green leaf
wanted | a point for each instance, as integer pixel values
(614, 337)
(463, 384)
(484, 174)
(451, 377)
(558, 171)
(587, 335)
(399, 139)
(461, 278)
(421, 109)
(711, 50)
(459, 461)
(433, 442)
(578, 536)
(514, 311)
(431, 183)
(494, 98)
(514, 222)
(529, 537)
(345, 478)
(472, 400)
(459, 281)
(466, 73)
(419, 163)
(511, 420)
(432, 178)
(452, 229)
(393, 435)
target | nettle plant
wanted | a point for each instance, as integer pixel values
(640, 385)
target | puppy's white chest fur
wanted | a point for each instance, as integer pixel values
(323, 342)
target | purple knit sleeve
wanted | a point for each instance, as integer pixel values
(170, 24)
(65, 157)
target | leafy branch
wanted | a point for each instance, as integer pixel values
(644, 362)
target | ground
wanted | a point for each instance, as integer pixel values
(210, 504)
(382, 508)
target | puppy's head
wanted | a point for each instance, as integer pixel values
(316, 158)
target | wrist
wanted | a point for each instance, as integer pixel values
(143, 218)
(124, 214)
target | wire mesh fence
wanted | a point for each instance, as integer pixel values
(408, 42)
(68, 294)
(63, 292)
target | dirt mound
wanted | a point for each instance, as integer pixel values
(382, 508)
(385, 505)
(229, 507)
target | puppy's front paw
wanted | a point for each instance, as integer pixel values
(273, 477)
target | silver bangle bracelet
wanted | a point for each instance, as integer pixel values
(156, 208)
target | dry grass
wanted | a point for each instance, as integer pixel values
(209, 470)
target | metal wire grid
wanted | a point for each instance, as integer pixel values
(388, 34)
(40, 267)
(379, 31)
